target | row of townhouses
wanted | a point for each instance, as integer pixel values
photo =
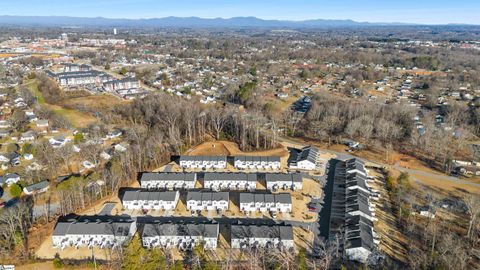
(168, 180)
(181, 233)
(306, 158)
(257, 162)
(70, 67)
(230, 181)
(80, 78)
(121, 84)
(283, 181)
(240, 162)
(93, 231)
(150, 200)
(259, 202)
(221, 181)
(255, 236)
(359, 211)
(199, 201)
(200, 162)
(181, 236)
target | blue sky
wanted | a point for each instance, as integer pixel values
(412, 11)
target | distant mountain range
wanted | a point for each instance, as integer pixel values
(181, 22)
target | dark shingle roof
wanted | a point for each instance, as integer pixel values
(168, 176)
(220, 176)
(283, 177)
(282, 232)
(94, 225)
(205, 230)
(145, 195)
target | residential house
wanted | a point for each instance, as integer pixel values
(230, 181)
(150, 200)
(277, 181)
(8, 179)
(260, 202)
(257, 162)
(203, 162)
(42, 123)
(59, 141)
(93, 231)
(168, 180)
(36, 188)
(27, 136)
(180, 235)
(253, 236)
(199, 201)
(5, 124)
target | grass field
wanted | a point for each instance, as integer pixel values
(76, 118)
(96, 102)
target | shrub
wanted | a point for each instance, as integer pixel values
(57, 263)
(15, 190)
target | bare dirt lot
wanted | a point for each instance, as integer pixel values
(231, 149)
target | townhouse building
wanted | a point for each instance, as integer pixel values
(121, 84)
(93, 231)
(255, 236)
(230, 181)
(203, 162)
(184, 236)
(168, 180)
(150, 200)
(260, 202)
(305, 159)
(283, 181)
(257, 162)
(199, 201)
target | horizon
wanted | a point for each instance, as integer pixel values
(427, 12)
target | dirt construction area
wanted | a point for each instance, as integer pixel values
(225, 148)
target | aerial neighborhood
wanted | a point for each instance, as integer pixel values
(242, 143)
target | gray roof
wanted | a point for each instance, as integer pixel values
(355, 163)
(220, 176)
(168, 176)
(37, 186)
(94, 225)
(282, 232)
(309, 153)
(169, 229)
(246, 197)
(283, 177)
(207, 196)
(359, 233)
(145, 195)
(201, 158)
(257, 158)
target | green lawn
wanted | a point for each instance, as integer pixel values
(76, 118)
(33, 86)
